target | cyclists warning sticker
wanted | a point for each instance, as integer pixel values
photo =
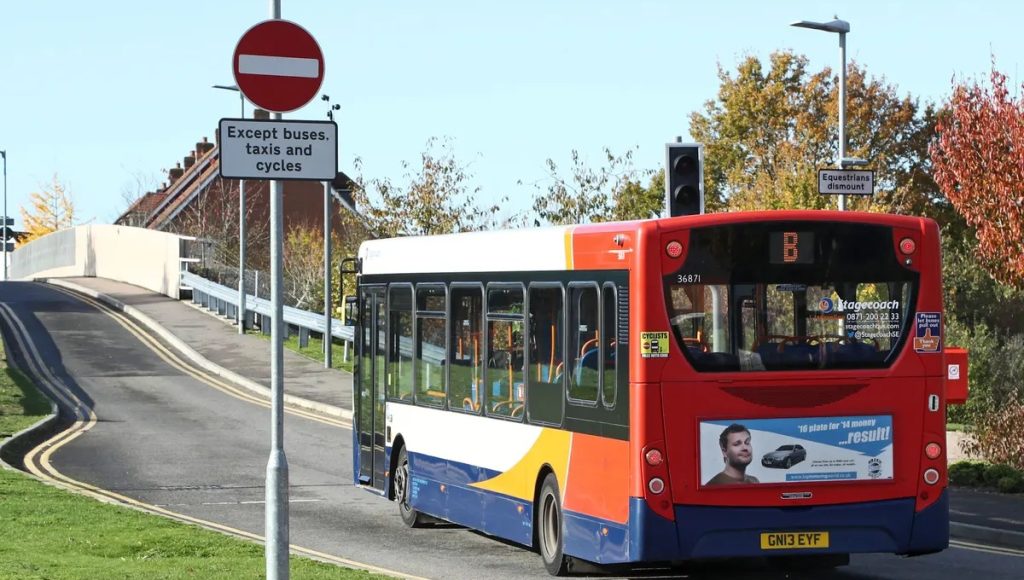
(654, 344)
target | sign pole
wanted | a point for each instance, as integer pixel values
(277, 466)
(327, 275)
(4, 154)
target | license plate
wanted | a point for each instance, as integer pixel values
(793, 540)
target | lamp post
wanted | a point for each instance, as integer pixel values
(241, 228)
(840, 27)
(328, 340)
(4, 155)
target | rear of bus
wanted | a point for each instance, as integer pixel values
(800, 409)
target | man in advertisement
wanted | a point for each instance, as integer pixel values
(737, 453)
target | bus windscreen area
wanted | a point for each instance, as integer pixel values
(790, 296)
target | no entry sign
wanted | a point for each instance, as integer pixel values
(278, 66)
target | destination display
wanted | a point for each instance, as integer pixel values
(796, 450)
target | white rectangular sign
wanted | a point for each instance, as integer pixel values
(846, 182)
(306, 150)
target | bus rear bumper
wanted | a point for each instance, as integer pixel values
(889, 526)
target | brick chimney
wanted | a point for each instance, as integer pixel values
(189, 160)
(203, 148)
(176, 173)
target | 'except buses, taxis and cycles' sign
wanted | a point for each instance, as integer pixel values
(796, 450)
(654, 344)
(846, 182)
(278, 149)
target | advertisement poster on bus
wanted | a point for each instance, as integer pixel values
(796, 450)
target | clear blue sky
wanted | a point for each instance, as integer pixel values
(103, 92)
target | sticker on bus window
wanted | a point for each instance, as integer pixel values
(654, 344)
(796, 450)
(928, 332)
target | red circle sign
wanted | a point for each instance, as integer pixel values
(278, 65)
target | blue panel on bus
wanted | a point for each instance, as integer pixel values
(931, 527)
(596, 540)
(714, 532)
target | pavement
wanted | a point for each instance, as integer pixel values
(213, 342)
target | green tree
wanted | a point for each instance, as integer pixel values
(770, 128)
(437, 200)
(611, 192)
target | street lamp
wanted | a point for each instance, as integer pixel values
(241, 228)
(840, 27)
(328, 340)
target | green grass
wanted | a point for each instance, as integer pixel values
(47, 533)
(315, 350)
(21, 405)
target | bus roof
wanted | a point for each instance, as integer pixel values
(551, 248)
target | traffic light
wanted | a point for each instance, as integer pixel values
(684, 179)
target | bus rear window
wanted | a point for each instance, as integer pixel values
(790, 296)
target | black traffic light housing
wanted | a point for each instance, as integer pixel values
(684, 179)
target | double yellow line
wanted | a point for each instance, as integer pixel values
(38, 460)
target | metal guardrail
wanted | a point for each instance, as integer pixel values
(228, 302)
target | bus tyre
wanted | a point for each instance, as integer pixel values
(550, 528)
(410, 516)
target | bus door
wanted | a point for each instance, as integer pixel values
(369, 394)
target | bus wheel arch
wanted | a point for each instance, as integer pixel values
(397, 445)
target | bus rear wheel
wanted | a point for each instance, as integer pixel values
(410, 516)
(549, 527)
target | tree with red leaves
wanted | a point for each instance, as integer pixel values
(978, 159)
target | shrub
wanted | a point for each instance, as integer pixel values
(966, 473)
(999, 435)
(994, 472)
(1011, 483)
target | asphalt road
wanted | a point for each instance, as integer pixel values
(155, 431)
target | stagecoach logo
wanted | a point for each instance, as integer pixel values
(874, 468)
(827, 305)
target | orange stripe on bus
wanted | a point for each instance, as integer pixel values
(598, 483)
(568, 249)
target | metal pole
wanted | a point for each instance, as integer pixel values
(4, 154)
(277, 466)
(842, 110)
(327, 275)
(241, 242)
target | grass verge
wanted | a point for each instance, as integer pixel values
(315, 350)
(47, 533)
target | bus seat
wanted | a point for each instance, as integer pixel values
(589, 360)
(469, 405)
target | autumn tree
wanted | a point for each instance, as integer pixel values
(979, 164)
(611, 192)
(438, 199)
(50, 209)
(771, 127)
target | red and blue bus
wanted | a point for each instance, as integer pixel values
(714, 386)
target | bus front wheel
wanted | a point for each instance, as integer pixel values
(410, 515)
(550, 528)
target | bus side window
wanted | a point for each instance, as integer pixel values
(584, 360)
(504, 389)
(429, 376)
(399, 375)
(465, 383)
(545, 393)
